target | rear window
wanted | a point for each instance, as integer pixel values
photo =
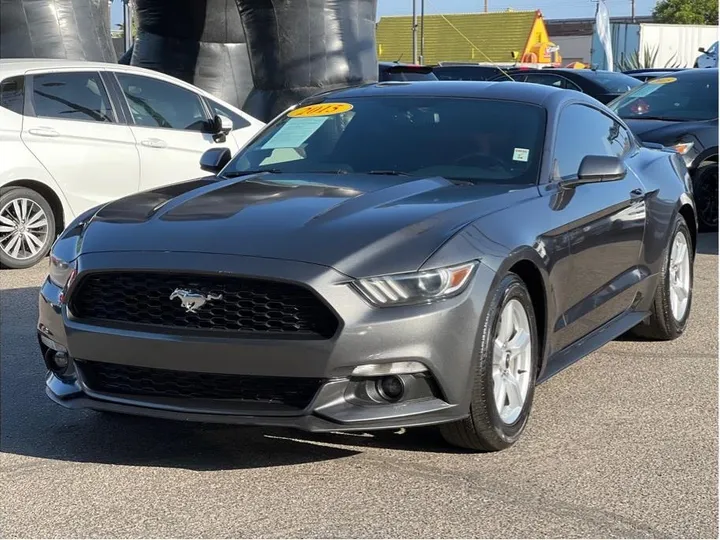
(71, 96)
(615, 83)
(407, 73)
(12, 92)
(465, 73)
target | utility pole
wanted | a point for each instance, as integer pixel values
(414, 33)
(632, 7)
(422, 32)
(486, 6)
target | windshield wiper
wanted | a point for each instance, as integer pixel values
(389, 173)
(235, 174)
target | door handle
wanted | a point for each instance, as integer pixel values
(44, 132)
(154, 143)
(637, 193)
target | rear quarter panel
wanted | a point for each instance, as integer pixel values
(668, 187)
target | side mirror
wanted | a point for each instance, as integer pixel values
(702, 49)
(601, 169)
(215, 159)
(220, 126)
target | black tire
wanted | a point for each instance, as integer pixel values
(661, 325)
(484, 430)
(7, 195)
(705, 191)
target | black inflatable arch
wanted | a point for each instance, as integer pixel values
(260, 55)
(66, 29)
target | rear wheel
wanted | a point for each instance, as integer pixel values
(705, 191)
(504, 376)
(27, 227)
(673, 296)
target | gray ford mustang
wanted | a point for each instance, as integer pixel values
(385, 256)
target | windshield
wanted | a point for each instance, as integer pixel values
(616, 83)
(461, 139)
(671, 98)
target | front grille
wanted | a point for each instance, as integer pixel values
(295, 392)
(247, 306)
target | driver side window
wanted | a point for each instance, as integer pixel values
(600, 136)
(158, 104)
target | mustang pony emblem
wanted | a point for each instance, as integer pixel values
(192, 301)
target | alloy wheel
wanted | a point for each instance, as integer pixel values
(679, 276)
(23, 228)
(512, 359)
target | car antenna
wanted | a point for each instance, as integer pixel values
(399, 58)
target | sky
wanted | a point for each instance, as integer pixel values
(551, 9)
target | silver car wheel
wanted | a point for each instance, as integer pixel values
(512, 358)
(679, 276)
(23, 229)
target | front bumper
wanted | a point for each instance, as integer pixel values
(442, 336)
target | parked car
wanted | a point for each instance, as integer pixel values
(645, 75)
(395, 71)
(681, 112)
(379, 257)
(76, 134)
(467, 72)
(708, 58)
(462, 71)
(602, 85)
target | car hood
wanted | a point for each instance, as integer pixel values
(663, 131)
(358, 224)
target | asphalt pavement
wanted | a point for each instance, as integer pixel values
(622, 444)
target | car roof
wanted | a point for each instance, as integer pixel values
(507, 91)
(20, 66)
(696, 74)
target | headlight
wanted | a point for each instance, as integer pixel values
(416, 288)
(60, 271)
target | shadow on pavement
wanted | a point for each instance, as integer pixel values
(707, 244)
(32, 425)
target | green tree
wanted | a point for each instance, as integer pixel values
(686, 12)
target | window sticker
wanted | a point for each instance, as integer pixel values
(294, 133)
(521, 154)
(662, 80)
(320, 109)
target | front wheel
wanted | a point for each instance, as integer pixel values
(504, 374)
(27, 227)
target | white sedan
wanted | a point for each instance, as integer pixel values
(77, 134)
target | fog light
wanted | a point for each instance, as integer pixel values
(57, 362)
(390, 388)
